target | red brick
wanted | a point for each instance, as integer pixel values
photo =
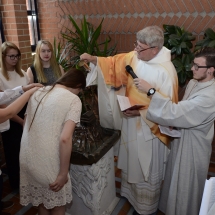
(206, 5)
(140, 6)
(173, 20)
(130, 7)
(84, 9)
(174, 6)
(159, 21)
(105, 25)
(116, 24)
(210, 24)
(197, 6)
(195, 22)
(149, 23)
(201, 26)
(136, 23)
(122, 24)
(212, 3)
(188, 22)
(181, 20)
(137, 7)
(165, 5)
(150, 6)
(189, 6)
(123, 8)
(166, 20)
(129, 24)
(158, 6)
(91, 5)
(182, 7)
(109, 7)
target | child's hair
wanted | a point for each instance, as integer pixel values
(73, 78)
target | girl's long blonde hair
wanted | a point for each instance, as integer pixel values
(4, 49)
(39, 66)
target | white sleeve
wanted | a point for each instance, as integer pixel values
(10, 94)
(185, 114)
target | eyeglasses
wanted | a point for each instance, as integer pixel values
(12, 57)
(196, 66)
(137, 46)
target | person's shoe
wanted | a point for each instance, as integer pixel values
(6, 205)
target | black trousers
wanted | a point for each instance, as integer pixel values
(11, 142)
(1, 189)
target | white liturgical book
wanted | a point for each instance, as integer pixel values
(170, 132)
(125, 104)
(208, 198)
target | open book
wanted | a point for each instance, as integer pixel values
(208, 199)
(125, 104)
(170, 132)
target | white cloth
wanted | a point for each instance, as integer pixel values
(7, 97)
(14, 81)
(39, 154)
(189, 157)
(10, 95)
(136, 151)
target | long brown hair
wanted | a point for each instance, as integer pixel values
(73, 78)
(39, 66)
(4, 49)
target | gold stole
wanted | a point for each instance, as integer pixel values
(113, 69)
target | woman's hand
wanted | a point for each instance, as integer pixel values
(130, 113)
(142, 85)
(30, 86)
(60, 181)
(32, 90)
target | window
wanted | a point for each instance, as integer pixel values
(33, 23)
(2, 38)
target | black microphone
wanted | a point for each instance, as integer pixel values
(130, 71)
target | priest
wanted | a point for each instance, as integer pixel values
(143, 148)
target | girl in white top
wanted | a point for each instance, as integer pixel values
(11, 76)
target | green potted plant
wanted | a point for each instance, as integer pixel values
(207, 41)
(179, 41)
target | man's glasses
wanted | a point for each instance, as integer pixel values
(12, 57)
(138, 47)
(196, 66)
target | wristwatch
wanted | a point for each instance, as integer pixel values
(151, 91)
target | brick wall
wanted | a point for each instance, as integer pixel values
(14, 18)
(123, 18)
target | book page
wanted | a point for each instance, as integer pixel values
(124, 102)
(207, 199)
(172, 133)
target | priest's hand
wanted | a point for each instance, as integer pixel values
(130, 113)
(142, 85)
(89, 58)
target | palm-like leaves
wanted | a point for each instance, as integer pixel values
(85, 39)
(62, 55)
